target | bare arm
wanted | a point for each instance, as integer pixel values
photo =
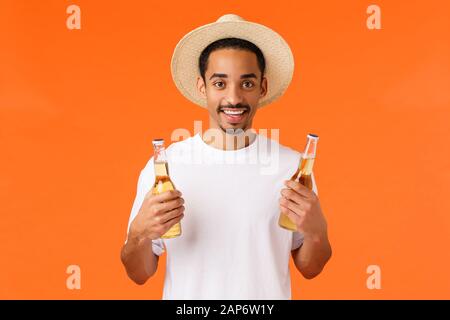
(156, 216)
(302, 206)
(139, 260)
(311, 257)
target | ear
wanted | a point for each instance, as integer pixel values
(201, 87)
(263, 87)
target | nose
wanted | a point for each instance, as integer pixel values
(234, 95)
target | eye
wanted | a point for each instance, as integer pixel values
(219, 84)
(248, 84)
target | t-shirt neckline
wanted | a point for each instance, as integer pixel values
(206, 146)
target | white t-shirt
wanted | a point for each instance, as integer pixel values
(231, 246)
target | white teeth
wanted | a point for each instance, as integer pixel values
(233, 112)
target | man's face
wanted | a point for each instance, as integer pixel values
(233, 88)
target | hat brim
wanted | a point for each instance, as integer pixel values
(277, 54)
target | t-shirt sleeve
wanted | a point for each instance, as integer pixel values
(297, 240)
(145, 182)
(297, 237)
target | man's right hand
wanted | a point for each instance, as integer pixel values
(157, 215)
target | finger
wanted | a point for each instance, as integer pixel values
(298, 187)
(291, 214)
(294, 207)
(169, 215)
(291, 194)
(158, 209)
(168, 224)
(165, 196)
(163, 207)
(148, 196)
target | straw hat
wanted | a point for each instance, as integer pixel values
(277, 54)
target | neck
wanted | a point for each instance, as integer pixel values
(217, 138)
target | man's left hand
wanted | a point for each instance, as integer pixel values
(302, 206)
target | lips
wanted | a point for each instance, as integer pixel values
(234, 115)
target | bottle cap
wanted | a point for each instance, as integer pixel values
(158, 142)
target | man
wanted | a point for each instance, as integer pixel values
(231, 246)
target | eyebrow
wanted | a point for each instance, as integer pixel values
(223, 75)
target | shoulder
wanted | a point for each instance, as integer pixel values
(180, 151)
(173, 149)
(180, 144)
(284, 152)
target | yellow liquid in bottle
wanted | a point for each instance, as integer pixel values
(304, 177)
(162, 184)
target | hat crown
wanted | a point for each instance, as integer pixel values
(230, 17)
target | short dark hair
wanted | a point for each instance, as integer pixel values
(230, 43)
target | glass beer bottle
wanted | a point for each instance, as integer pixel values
(162, 181)
(302, 175)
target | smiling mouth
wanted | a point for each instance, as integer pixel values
(234, 111)
(234, 115)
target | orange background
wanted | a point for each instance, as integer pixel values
(78, 110)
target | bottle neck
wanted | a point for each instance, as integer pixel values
(160, 154)
(310, 149)
(160, 162)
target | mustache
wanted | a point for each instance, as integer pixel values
(234, 106)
